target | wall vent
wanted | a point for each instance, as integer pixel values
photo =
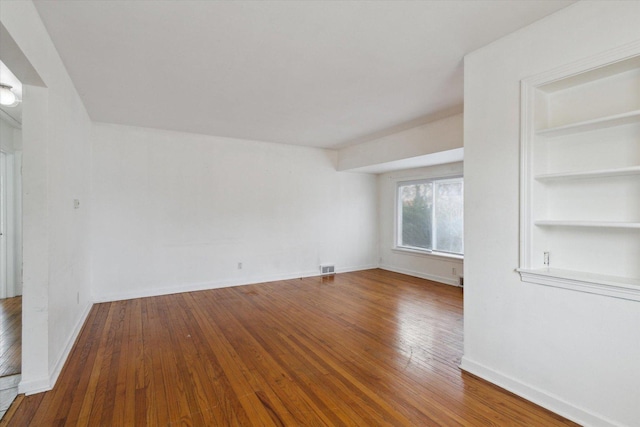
(327, 269)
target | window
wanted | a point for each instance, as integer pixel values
(430, 215)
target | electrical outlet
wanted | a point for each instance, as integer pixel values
(546, 259)
(239, 266)
(454, 271)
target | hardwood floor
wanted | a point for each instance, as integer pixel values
(362, 349)
(10, 336)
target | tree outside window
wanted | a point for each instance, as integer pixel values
(430, 215)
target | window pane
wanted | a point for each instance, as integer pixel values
(449, 217)
(417, 206)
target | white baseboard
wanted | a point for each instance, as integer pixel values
(47, 383)
(226, 283)
(34, 386)
(6, 398)
(69, 345)
(9, 382)
(535, 395)
(432, 277)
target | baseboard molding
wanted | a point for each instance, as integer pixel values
(535, 395)
(351, 269)
(69, 345)
(7, 395)
(9, 382)
(432, 277)
(202, 286)
(46, 384)
(34, 386)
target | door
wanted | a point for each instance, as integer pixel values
(3, 225)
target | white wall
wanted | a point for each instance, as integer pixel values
(430, 267)
(175, 212)
(572, 352)
(435, 137)
(56, 170)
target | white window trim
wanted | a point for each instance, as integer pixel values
(420, 251)
(426, 253)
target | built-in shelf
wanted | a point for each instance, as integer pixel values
(594, 224)
(600, 173)
(591, 125)
(580, 136)
(620, 287)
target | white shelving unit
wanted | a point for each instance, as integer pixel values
(594, 124)
(613, 286)
(580, 183)
(601, 224)
(601, 173)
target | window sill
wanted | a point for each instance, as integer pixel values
(428, 254)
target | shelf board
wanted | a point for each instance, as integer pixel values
(592, 224)
(613, 286)
(600, 173)
(590, 125)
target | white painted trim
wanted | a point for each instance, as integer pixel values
(10, 225)
(611, 286)
(9, 119)
(46, 384)
(398, 204)
(69, 345)
(527, 95)
(202, 286)
(593, 124)
(8, 392)
(535, 395)
(17, 228)
(596, 173)
(587, 224)
(4, 232)
(34, 386)
(589, 69)
(428, 254)
(9, 285)
(587, 65)
(432, 277)
(9, 382)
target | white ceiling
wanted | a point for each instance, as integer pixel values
(316, 73)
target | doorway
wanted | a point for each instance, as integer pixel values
(10, 246)
(10, 260)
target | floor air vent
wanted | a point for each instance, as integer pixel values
(327, 269)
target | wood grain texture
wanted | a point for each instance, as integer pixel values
(10, 336)
(370, 348)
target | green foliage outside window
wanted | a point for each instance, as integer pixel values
(431, 215)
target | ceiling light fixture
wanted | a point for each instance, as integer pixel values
(7, 97)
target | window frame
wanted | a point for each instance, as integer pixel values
(398, 218)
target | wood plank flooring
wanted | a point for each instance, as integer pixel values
(369, 348)
(10, 336)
